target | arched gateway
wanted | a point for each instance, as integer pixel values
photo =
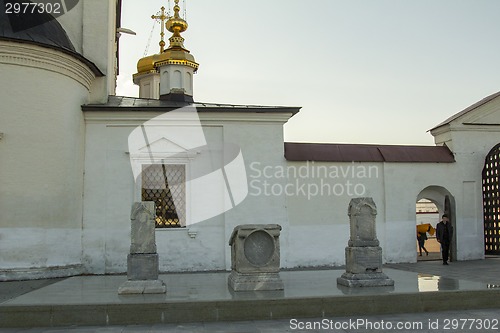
(491, 201)
(445, 203)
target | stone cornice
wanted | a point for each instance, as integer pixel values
(209, 118)
(138, 76)
(440, 130)
(28, 55)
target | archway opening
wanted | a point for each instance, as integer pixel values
(445, 204)
(427, 214)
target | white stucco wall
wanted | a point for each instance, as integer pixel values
(308, 199)
(471, 137)
(176, 77)
(41, 169)
(91, 27)
(98, 45)
(403, 184)
(319, 194)
(319, 226)
(110, 191)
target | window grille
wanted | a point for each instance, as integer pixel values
(491, 201)
(165, 184)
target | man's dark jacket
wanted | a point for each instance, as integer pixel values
(441, 235)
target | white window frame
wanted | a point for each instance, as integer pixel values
(141, 160)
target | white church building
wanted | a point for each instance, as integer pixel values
(74, 157)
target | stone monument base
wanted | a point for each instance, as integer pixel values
(366, 259)
(142, 287)
(375, 279)
(363, 255)
(142, 266)
(253, 282)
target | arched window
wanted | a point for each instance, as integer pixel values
(189, 83)
(165, 79)
(177, 80)
(491, 201)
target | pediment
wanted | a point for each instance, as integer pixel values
(483, 112)
(491, 118)
(486, 114)
(163, 145)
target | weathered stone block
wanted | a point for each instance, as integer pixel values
(365, 280)
(142, 287)
(142, 262)
(142, 266)
(363, 259)
(255, 257)
(254, 282)
(363, 255)
(362, 213)
(142, 230)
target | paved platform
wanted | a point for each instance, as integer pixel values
(420, 289)
(435, 322)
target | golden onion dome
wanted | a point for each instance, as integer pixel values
(176, 57)
(146, 64)
(168, 57)
(176, 24)
(176, 54)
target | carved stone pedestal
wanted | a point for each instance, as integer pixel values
(363, 254)
(363, 268)
(142, 262)
(142, 266)
(255, 258)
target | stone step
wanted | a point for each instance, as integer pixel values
(206, 297)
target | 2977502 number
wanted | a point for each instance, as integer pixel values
(470, 324)
(33, 7)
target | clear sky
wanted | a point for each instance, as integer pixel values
(363, 71)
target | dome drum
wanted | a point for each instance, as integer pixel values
(175, 65)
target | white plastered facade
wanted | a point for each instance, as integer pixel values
(67, 184)
(308, 199)
(42, 141)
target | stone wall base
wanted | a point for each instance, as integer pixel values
(36, 273)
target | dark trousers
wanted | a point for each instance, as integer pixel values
(445, 250)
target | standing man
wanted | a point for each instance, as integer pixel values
(444, 233)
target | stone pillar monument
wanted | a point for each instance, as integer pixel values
(255, 257)
(363, 255)
(142, 262)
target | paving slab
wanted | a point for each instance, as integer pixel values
(203, 302)
(435, 322)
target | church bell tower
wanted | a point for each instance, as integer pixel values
(169, 74)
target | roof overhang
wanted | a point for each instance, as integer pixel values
(129, 104)
(323, 152)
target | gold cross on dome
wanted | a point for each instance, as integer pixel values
(162, 17)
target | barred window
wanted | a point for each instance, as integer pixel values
(165, 184)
